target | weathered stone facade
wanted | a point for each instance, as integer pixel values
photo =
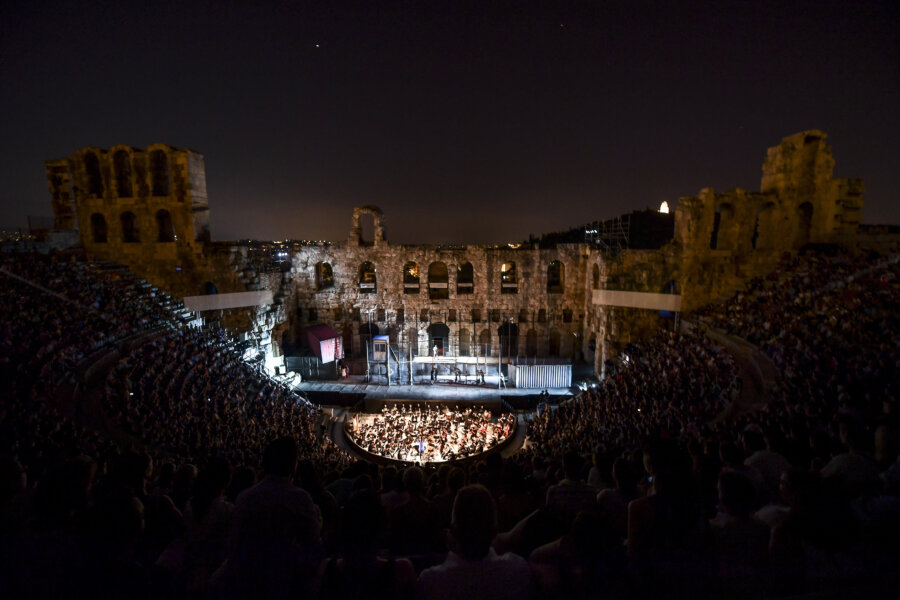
(148, 209)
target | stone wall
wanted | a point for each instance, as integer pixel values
(120, 199)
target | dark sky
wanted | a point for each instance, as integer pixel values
(466, 122)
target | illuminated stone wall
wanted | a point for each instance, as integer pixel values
(721, 240)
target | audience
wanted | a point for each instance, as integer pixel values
(655, 483)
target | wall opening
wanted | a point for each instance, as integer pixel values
(324, 276)
(556, 274)
(130, 233)
(484, 343)
(367, 279)
(595, 278)
(98, 228)
(165, 228)
(509, 339)
(554, 343)
(722, 221)
(464, 342)
(411, 278)
(122, 165)
(763, 232)
(438, 337)
(531, 343)
(159, 173)
(438, 281)
(465, 278)
(509, 279)
(94, 178)
(209, 289)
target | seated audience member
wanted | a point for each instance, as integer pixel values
(414, 523)
(359, 573)
(740, 544)
(472, 570)
(612, 503)
(571, 495)
(275, 536)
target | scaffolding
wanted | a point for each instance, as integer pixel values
(611, 235)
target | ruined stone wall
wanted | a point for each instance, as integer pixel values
(552, 320)
(721, 240)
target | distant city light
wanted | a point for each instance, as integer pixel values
(664, 207)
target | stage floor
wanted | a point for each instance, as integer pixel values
(444, 389)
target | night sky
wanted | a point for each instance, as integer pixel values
(464, 121)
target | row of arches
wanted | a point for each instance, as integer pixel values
(503, 341)
(123, 179)
(726, 229)
(438, 278)
(131, 234)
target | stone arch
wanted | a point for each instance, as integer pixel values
(464, 342)
(555, 343)
(130, 232)
(438, 335)
(209, 289)
(438, 281)
(98, 228)
(465, 277)
(509, 278)
(159, 173)
(122, 168)
(764, 230)
(508, 334)
(484, 342)
(356, 238)
(165, 228)
(721, 237)
(531, 343)
(412, 341)
(411, 278)
(804, 223)
(94, 177)
(556, 277)
(595, 277)
(324, 276)
(368, 283)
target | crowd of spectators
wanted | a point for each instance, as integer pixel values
(638, 488)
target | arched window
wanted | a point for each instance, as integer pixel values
(438, 281)
(94, 179)
(722, 221)
(159, 173)
(804, 223)
(465, 278)
(324, 276)
(484, 343)
(556, 277)
(531, 343)
(542, 315)
(508, 333)
(130, 233)
(567, 315)
(209, 289)
(763, 234)
(464, 342)
(367, 281)
(411, 278)
(122, 165)
(595, 278)
(164, 226)
(509, 279)
(554, 343)
(98, 228)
